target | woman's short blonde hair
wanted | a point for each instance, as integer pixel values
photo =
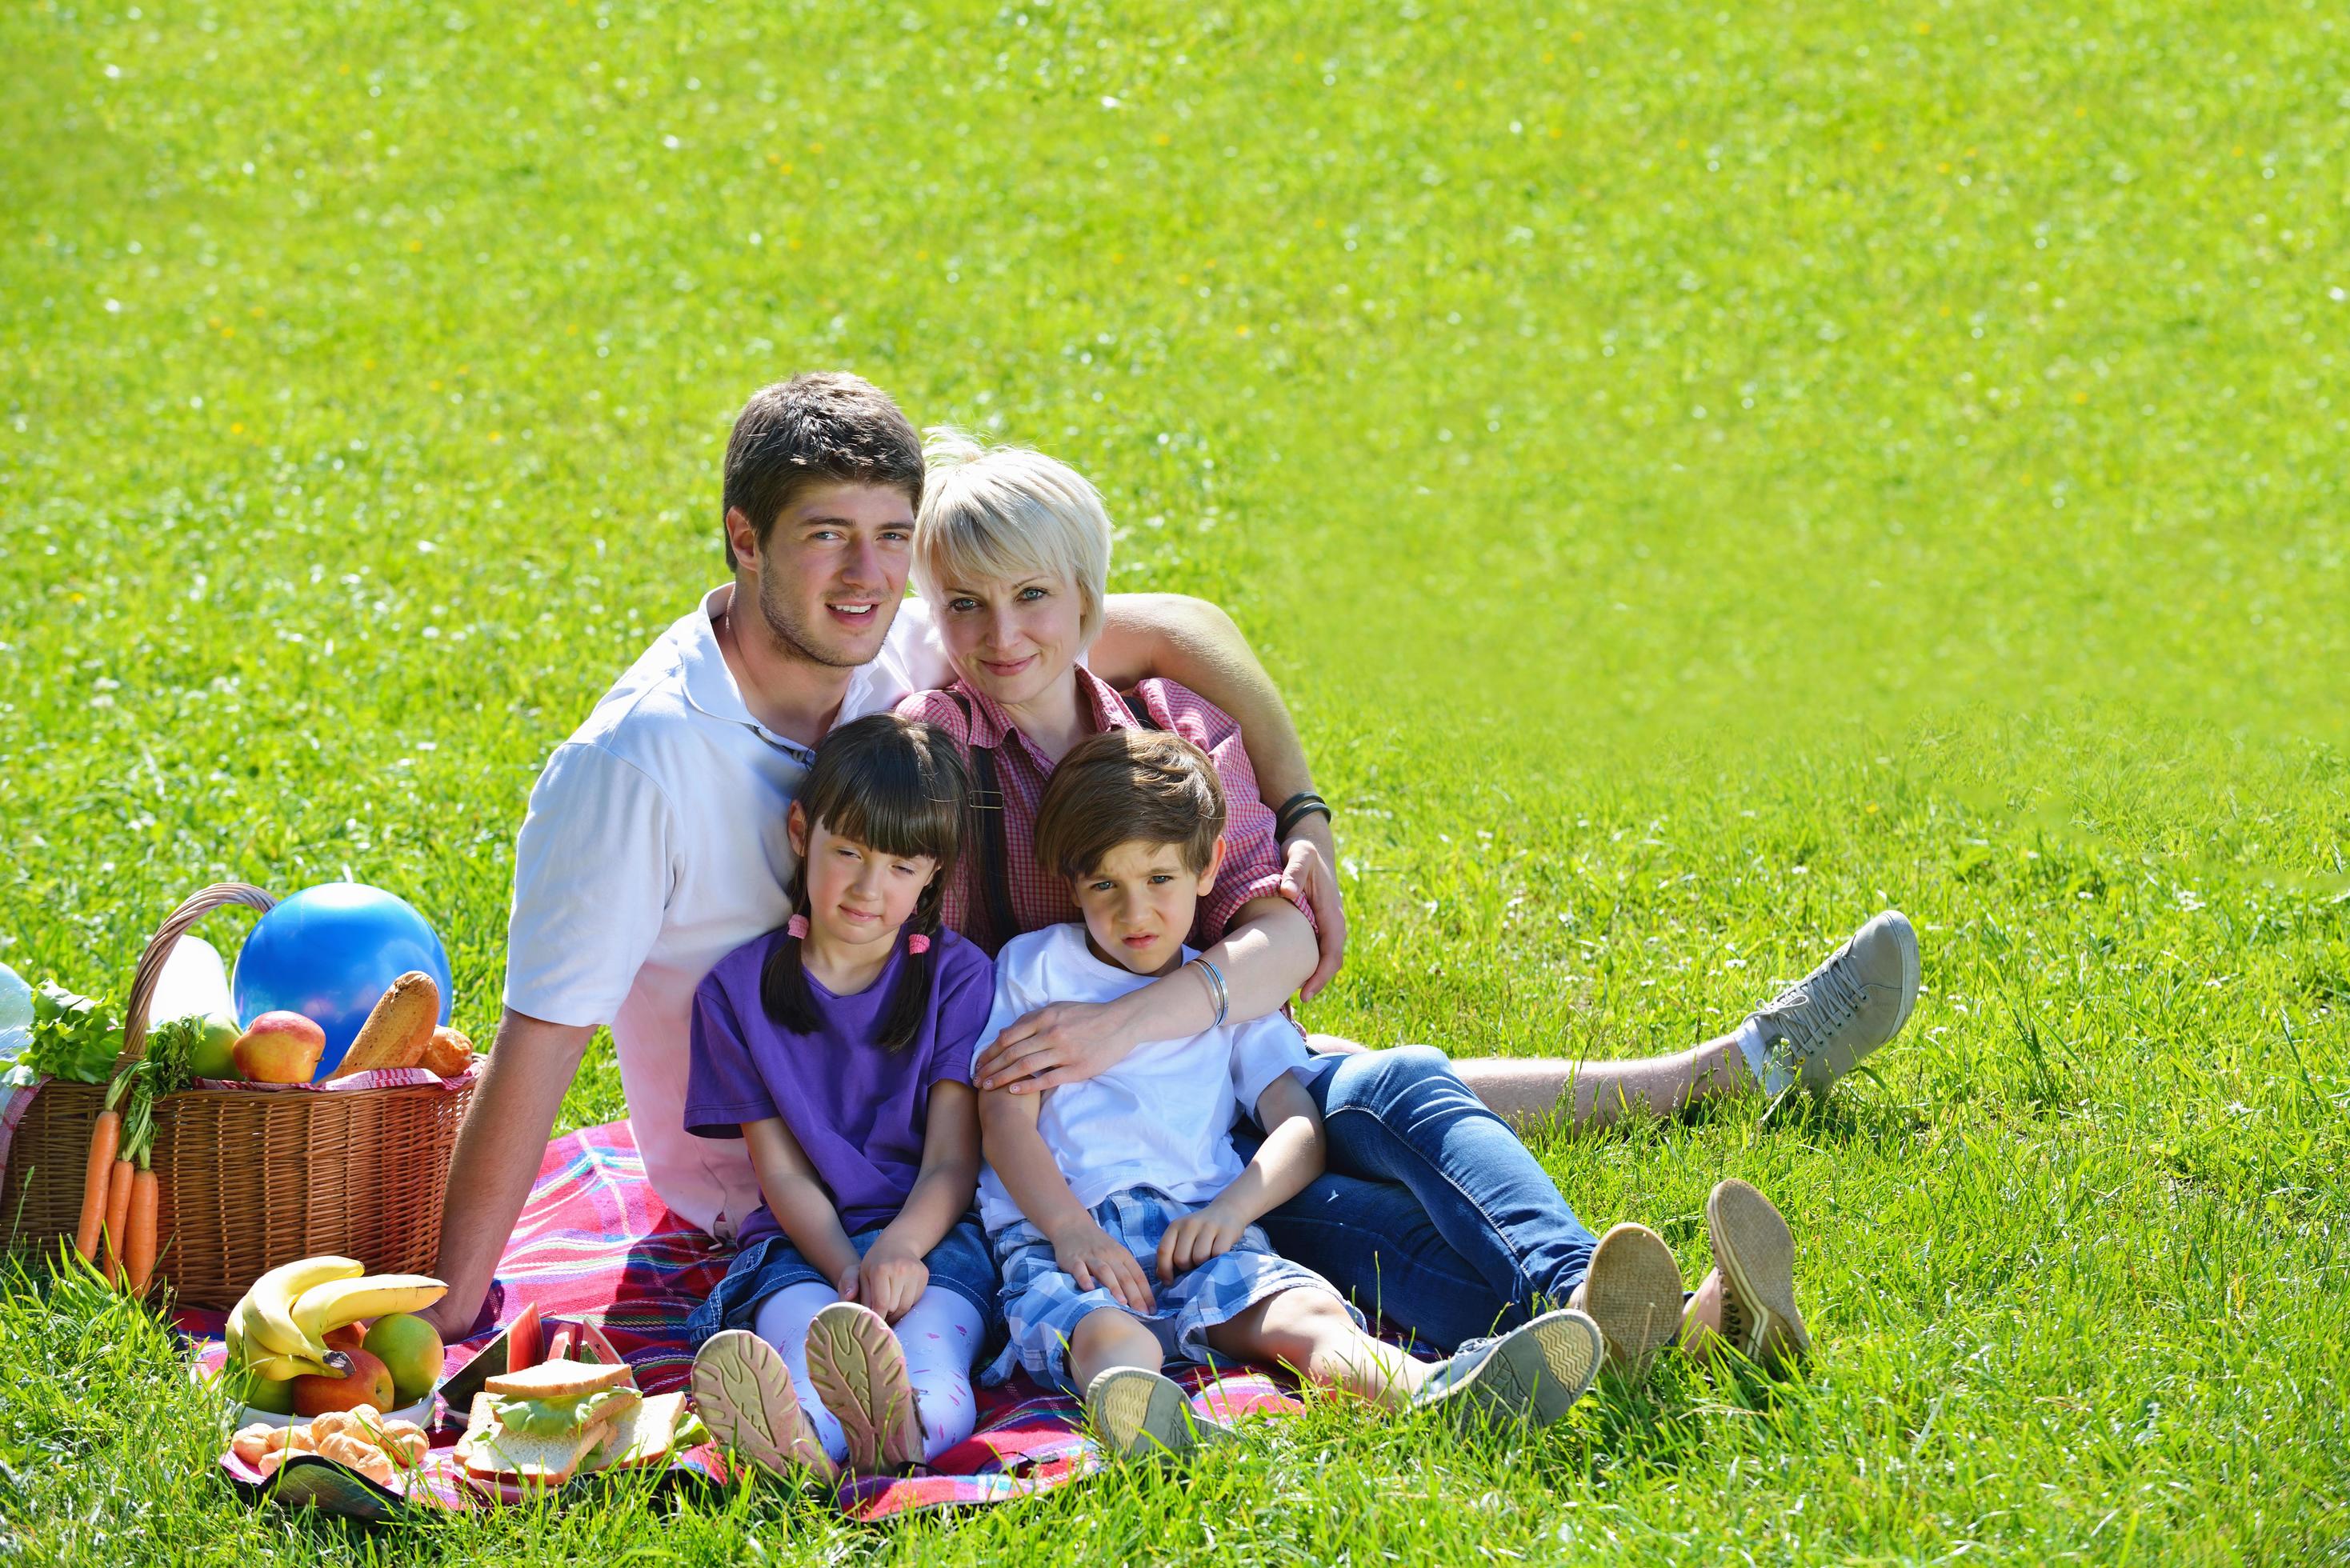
(999, 514)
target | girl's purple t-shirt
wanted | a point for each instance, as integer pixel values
(858, 1112)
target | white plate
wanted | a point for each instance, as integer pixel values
(420, 1413)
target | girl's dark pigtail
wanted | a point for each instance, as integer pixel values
(910, 1003)
(783, 980)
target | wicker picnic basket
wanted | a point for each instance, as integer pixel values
(250, 1179)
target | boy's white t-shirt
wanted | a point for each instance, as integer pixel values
(655, 846)
(1162, 1117)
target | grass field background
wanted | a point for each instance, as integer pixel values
(1699, 474)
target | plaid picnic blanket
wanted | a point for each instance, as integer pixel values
(595, 1244)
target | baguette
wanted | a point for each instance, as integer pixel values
(397, 1031)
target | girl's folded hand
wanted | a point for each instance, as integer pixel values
(890, 1282)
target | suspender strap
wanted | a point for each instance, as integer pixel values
(988, 836)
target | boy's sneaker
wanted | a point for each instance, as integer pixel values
(1138, 1413)
(1632, 1289)
(1536, 1373)
(744, 1393)
(858, 1369)
(1816, 1030)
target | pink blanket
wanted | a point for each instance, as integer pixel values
(596, 1245)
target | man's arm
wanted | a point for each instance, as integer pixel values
(1007, 1129)
(1191, 642)
(1286, 1163)
(524, 1080)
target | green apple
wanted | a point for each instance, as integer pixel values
(272, 1395)
(213, 1056)
(411, 1348)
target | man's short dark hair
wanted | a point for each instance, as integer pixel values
(1129, 786)
(822, 427)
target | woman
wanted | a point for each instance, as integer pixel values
(1432, 1211)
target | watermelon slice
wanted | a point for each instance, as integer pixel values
(589, 1345)
(558, 1344)
(516, 1347)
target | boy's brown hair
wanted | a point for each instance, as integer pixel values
(1129, 786)
(822, 427)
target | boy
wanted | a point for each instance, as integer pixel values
(1120, 1214)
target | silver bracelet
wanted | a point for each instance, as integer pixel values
(1217, 993)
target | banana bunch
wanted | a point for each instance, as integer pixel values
(279, 1329)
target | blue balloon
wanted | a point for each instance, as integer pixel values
(329, 953)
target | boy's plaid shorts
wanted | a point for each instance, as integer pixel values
(1043, 1306)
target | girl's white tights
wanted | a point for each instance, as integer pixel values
(940, 1335)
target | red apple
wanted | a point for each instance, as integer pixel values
(369, 1384)
(350, 1337)
(280, 1048)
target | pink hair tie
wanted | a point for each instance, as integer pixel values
(917, 943)
(796, 926)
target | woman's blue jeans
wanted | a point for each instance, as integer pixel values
(1431, 1213)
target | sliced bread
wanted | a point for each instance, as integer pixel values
(556, 1379)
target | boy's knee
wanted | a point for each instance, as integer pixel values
(1107, 1323)
(1106, 1338)
(1296, 1325)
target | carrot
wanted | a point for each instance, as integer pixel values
(139, 1234)
(118, 1217)
(103, 1140)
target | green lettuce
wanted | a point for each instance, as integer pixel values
(76, 1038)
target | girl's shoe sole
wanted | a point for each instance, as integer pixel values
(744, 1392)
(1756, 1254)
(858, 1369)
(1633, 1292)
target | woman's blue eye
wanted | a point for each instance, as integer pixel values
(1032, 594)
(963, 607)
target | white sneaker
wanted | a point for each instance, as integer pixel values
(1819, 1028)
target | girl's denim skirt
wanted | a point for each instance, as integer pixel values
(960, 1264)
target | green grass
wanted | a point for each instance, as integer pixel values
(363, 374)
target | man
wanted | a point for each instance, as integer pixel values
(655, 841)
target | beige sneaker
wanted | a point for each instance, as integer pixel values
(744, 1392)
(1749, 1300)
(858, 1370)
(1632, 1289)
(1819, 1028)
(1139, 1414)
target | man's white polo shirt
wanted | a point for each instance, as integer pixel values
(654, 846)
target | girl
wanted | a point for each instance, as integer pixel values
(839, 1049)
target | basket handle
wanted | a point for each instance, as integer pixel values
(219, 896)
